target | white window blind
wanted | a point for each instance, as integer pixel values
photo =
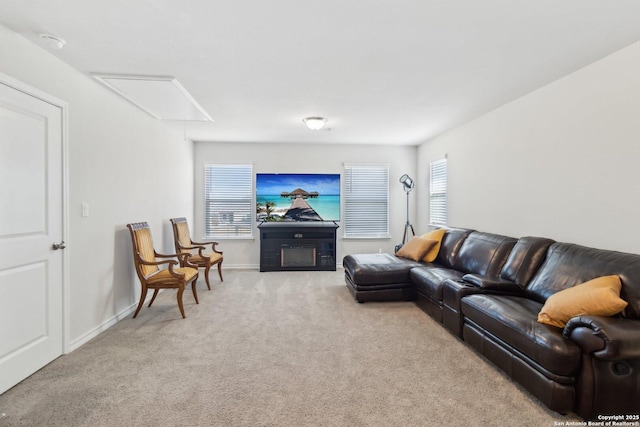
(438, 192)
(229, 210)
(366, 201)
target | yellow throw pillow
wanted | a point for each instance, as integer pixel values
(597, 297)
(416, 248)
(436, 235)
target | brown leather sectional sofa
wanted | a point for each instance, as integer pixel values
(488, 290)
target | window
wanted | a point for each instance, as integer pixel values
(228, 193)
(438, 192)
(366, 201)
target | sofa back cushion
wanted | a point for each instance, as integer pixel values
(525, 259)
(450, 245)
(484, 253)
(568, 265)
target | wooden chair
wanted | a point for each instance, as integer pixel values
(184, 244)
(149, 273)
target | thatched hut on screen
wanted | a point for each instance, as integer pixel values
(299, 193)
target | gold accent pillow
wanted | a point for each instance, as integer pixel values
(436, 235)
(416, 248)
(597, 297)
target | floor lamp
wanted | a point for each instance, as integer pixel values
(407, 185)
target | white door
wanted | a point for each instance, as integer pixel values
(31, 217)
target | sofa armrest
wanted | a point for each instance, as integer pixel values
(489, 284)
(607, 338)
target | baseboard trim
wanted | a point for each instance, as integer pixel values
(255, 267)
(88, 336)
(239, 267)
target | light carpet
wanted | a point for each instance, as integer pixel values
(273, 349)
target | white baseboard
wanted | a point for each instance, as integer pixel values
(77, 343)
(240, 267)
(255, 267)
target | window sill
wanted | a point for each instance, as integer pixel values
(366, 237)
(229, 239)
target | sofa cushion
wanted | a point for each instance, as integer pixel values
(450, 246)
(525, 259)
(436, 235)
(567, 265)
(429, 280)
(484, 253)
(597, 297)
(377, 269)
(416, 248)
(512, 320)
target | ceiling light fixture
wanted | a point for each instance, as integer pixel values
(314, 123)
(54, 42)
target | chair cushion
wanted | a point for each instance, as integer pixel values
(145, 248)
(183, 234)
(416, 248)
(597, 297)
(164, 275)
(211, 257)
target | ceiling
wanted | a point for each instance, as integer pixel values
(381, 71)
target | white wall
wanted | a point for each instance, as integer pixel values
(306, 158)
(561, 162)
(127, 165)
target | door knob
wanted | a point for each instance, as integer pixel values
(58, 246)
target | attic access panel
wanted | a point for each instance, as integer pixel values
(162, 97)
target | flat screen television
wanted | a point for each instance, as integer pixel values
(297, 197)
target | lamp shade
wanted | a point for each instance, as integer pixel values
(406, 181)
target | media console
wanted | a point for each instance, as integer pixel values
(297, 246)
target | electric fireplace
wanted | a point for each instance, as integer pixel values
(292, 255)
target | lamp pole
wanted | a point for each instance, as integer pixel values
(407, 185)
(408, 225)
